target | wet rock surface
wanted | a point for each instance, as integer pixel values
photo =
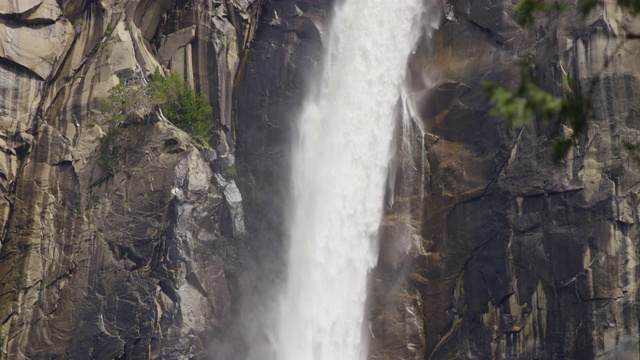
(521, 258)
(275, 75)
(488, 248)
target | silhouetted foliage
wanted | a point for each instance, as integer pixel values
(529, 100)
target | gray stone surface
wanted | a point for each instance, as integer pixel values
(273, 75)
(521, 258)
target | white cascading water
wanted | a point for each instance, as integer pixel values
(338, 174)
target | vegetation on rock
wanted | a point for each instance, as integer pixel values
(128, 102)
(529, 100)
(182, 105)
(136, 100)
(68, 11)
(111, 149)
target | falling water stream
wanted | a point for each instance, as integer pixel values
(339, 170)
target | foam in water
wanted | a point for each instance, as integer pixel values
(338, 174)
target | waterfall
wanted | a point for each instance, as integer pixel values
(340, 163)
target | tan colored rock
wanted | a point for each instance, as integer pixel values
(98, 264)
(47, 11)
(37, 49)
(224, 28)
(15, 144)
(225, 40)
(147, 15)
(18, 6)
(121, 56)
(172, 42)
(21, 93)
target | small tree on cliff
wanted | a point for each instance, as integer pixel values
(127, 103)
(135, 100)
(182, 105)
(573, 108)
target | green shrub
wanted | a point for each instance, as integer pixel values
(127, 102)
(68, 11)
(112, 149)
(110, 27)
(232, 171)
(182, 105)
(131, 101)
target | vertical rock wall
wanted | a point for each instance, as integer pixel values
(521, 258)
(274, 77)
(132, 263)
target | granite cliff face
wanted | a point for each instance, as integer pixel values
(489, 250)
(131, 264)
(515, 257)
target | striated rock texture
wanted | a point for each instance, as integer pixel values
(516, 257)
(129, 264)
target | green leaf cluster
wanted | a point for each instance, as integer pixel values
(182, 105)
(127, 102)
(632, 5)
(519, 107)
(110, 27)
(131, 101)
(112, 149)
(530, 101)
(526, 9)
